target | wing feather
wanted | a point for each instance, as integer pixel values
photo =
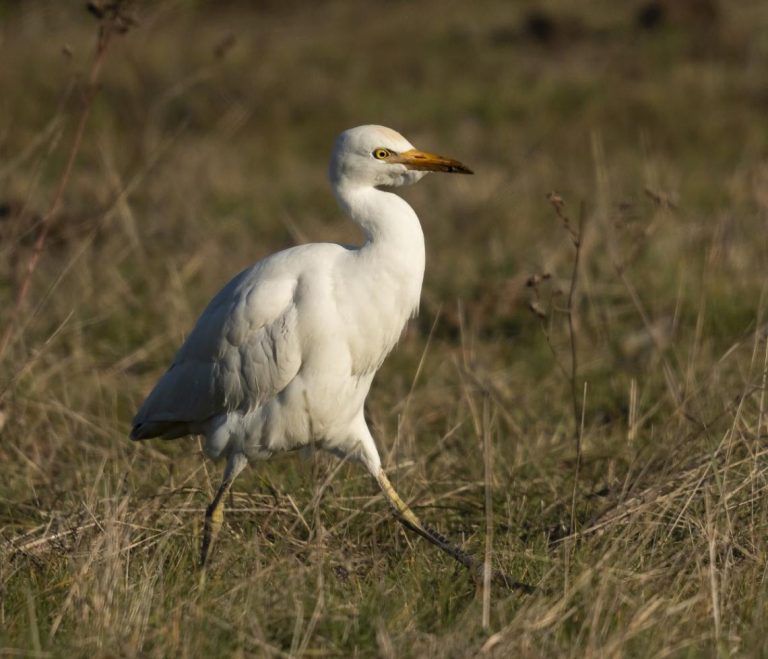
(242, 351)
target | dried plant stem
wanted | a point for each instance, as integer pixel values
(579, 424)
(577, 468)
(105, 36)
(578, 410)
(488, 464)
(576, 237)
(763, 385)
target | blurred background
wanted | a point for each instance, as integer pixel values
(206, 148)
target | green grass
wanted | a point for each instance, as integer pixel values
(221, 161)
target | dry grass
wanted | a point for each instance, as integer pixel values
(206, 149)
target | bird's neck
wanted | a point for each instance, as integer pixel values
(393, 256)
(389, 223)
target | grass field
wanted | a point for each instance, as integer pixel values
(206, 149)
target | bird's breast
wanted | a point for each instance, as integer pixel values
(375, 311)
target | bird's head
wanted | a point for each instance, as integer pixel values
(381, 157)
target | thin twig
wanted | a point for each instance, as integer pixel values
(577, 238)
(488, 464)
(577, 469)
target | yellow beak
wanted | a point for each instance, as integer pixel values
(430, 162)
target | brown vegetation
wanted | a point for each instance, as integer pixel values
(204, 147)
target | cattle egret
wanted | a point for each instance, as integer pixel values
(283, 357)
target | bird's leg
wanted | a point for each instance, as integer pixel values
(214, 518)
(214, 515)
(410, 521)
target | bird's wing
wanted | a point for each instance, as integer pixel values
(242, 351)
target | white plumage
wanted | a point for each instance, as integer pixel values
(285, 353)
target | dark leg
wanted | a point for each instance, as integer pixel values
(409, 520)
(214, 515)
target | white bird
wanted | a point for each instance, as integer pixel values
(283, 357)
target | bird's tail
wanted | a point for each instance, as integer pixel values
(161, 429)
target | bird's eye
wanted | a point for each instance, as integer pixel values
(380, 154)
